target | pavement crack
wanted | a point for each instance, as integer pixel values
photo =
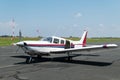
(16, 76)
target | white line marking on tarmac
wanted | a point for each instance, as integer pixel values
(7, 66)
(7, 55)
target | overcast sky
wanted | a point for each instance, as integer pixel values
(60, 17)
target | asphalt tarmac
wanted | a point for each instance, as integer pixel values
(103, 65)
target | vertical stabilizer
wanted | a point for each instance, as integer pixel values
(83, 38)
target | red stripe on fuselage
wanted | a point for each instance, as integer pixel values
(49, 45)
(45, 44)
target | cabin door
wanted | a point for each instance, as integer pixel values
(67, 44)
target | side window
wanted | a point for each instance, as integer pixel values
(56, 41)
(62, 41)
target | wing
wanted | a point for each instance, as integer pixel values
(88, 48)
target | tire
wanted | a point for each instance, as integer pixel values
(28, 60)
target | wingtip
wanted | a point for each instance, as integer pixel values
(110, 45)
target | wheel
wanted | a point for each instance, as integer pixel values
(28, 60)
(69, 58)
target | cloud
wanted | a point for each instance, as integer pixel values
(101, 25)
(3, 24)
(0, 23)
(75, 25)
(77, 15)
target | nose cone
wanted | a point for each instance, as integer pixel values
(20, 43)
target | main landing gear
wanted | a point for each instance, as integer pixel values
(67, 46)
(69, 57)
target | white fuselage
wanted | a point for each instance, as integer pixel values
(49, 44)
(45, 45)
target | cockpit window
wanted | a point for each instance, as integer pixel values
(56, 40)
(49, 39)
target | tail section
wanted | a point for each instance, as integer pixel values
(83, 39)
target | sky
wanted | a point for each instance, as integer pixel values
(101, 18)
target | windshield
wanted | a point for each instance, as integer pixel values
(49, 39)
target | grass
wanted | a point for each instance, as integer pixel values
(6, 41)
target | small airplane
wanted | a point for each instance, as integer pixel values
(58, 45)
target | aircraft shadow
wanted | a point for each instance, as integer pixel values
(34, 59)
(20, 56)
(64, 60)
(83, 62)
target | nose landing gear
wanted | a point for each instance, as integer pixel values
(29, 60)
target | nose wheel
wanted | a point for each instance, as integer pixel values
(29, 60)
